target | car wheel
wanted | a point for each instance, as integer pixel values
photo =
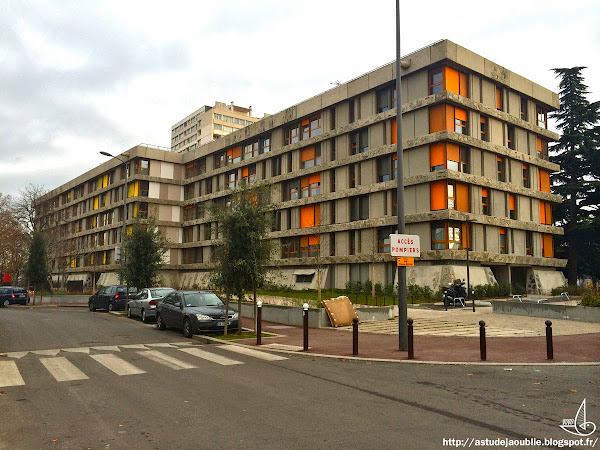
(5, 303)
(144, 318)
(159, 323)
(129, 312)
(91, 306)
(111, 307)
(187, 328)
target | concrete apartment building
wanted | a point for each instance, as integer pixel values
(207, 124)
(475, 163)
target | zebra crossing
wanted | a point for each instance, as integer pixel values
(58, 362)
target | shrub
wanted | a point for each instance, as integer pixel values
(590, 298)
(571, 289)
(416, 292)
(367, 287)
(378, 289)
(517, 289)
(388, 290)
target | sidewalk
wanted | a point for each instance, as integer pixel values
(447, 337)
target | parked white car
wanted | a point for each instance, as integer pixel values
(144, 303)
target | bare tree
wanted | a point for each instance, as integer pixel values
(14, 240)
(24, 209)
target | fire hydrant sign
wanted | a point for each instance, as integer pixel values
(407, 245)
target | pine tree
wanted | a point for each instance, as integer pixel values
(144, 249)
(37, 265)
(578, 153)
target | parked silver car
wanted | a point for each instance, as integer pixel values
(144, 303)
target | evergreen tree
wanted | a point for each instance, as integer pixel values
(578, 153)
(36, 270)
(144, 250)
(243, 250)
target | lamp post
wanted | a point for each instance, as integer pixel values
(124, 232)
(468, 222)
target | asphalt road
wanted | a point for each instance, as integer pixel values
(155, 395)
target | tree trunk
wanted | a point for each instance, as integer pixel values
(573, 240)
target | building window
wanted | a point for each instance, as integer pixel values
(383, 239)
(352, 242)
(188, 234)
(306, 129)
(387, 167)
(249, 173)
(485, 202)
(386, 98)
(310, 186)
(290, 247)
(446, 235)
(310, 216)
(449, 195)
(352, 175)
(542, 117)
(524, 115)
(529, 243)
(189, 191)
(359, 141)
(332, 180)
(447, 117)
(483, 129)
(542, 149)
(142, 167)
(188, 212)
(309, 246)
(503, 244)
(276, 166)
(351, 115)
(192, 255)
(359, 207)
(137, 188)
(332, 118)
(448, 79)
(545, 213)
(547, 246)
(526, 177)
(234, 155)
(510, 137)
(331, 244)
(499, 98)
(448, 156)
(220, 160)
(543, 181)
(310, 157)
(231, 179)
(501, 165)
(511, 207)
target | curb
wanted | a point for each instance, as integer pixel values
(210, 340)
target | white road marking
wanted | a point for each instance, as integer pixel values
(117, 365)
(62, 369)
(210, 356)
(251, 352)
(167, 360)
(138, 346)
(164, 345)
(77, 350)
(53, 352)
(110, 348)
(10, 375)
(15, 355)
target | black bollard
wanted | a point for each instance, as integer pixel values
(411, 351)
(482, 348)
(549, 346)
(355, 336)
(258, 322)
(305, 310)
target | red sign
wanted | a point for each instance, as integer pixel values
(7, 277)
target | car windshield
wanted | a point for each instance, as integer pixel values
(132, 290)
(161, 292)
(202, 299)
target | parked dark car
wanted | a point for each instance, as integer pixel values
(111, 298)
(11, 295)
(144, 303)
(194, 312)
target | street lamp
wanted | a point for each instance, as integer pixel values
(124, 232)
(467, 223)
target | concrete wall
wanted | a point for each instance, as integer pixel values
(547, 310)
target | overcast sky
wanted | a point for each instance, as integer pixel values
(80, 77)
